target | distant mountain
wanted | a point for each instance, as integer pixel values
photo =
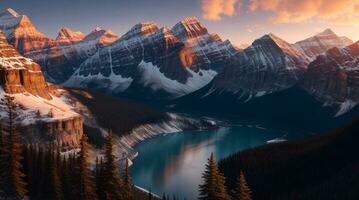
(322, 42)
(157, 63)
(270, 64)
(324, 94)
(333, 77)
(58, 58)
(66, 36)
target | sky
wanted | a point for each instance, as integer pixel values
(240, 21)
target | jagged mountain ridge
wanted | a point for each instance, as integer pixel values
(328, 85)
(173, 62)
(169, 63)
(59, 57)
(270, 64)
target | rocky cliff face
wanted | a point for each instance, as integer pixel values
(173, 62)
(58, 58)
(334, 77)
(270, 64)
(43, 116)
(19, 74)
(321, 42)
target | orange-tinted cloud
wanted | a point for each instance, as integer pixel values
(299, 11)
(216, 9)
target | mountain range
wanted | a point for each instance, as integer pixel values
(186, 66)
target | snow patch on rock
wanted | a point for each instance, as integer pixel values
(153, 77)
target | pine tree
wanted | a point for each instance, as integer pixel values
(243, 192)
(112, 183)
(99, 168)
(87, 190)
(13, 184)
(65, 178)
(213, 187)
(56, 185)
(164, 196)
(1, 159)
(127, 183)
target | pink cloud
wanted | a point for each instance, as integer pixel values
(216, 9)
(294, 11)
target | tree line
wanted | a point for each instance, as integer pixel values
(214, 184)
(44, 173)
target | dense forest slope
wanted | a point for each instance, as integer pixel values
(321, 167)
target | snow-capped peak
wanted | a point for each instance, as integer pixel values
(188, 28)
(280, 42)
(326, 32)
(97, 29)
(104, 37)
(9, 12)
(141, 29)
(67, 33)
(190, 20)
(286, 47)
(321, 42)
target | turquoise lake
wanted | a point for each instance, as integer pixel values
(173, 163)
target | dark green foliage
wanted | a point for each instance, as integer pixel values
(127, 183)
(99, 178)
(243, 192)
(12, 177)
(213, 187)
(112, 184)
(86, 185)
(49, 175)
(325, 166)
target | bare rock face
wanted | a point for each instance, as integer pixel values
(334, 76)
(189, 28)
(44, 117)
(270, 64)
(321, 42)
(66, 133)
(19, 74)
(67, 36)
(173, 62)
(210, 51)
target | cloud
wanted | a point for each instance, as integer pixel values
(295, 11)
(215, 9)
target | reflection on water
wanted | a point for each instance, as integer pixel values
(174, 163)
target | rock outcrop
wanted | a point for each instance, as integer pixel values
(19, 74)
(43, 117)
